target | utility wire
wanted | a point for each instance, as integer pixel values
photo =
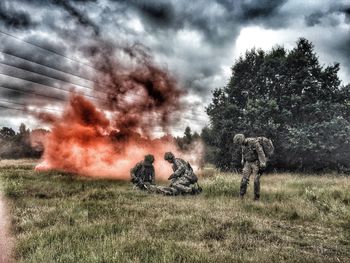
(2, 106)
(25, 105)
(75, 60)
(53, 52)
(96, 82)
(82, 94)
(60, 79)
(12, 108)
(33, 92)
(48, 50)
(51, 67)
(45, 76)
(55, 78)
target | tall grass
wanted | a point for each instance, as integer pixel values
(59, 217)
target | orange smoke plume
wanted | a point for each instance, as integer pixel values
(84, 141)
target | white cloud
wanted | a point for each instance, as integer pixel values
(321, 36)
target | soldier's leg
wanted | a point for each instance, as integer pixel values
(162, 190)
(245, 178)
(196, 189)
(257, 175)
(183, 185)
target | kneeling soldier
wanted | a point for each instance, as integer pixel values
(183, 180)
(143, 174)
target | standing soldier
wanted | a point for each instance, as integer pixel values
(254, 157)
(142, 175)
(183, 179)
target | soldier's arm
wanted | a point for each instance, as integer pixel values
(180, 169)
(261, 154)
(242, 161)
(134, 171)
(153, 176)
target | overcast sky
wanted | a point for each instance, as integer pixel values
(197, 41)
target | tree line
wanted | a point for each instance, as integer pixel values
(289, 97)
(21, 144)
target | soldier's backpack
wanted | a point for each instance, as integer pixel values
(267, 146)
(191, 175)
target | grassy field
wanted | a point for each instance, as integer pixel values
(59, 217)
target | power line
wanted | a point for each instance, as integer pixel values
(43, 65)
(25, 105)
(61, 89)
(50, 77)
(82, 94)
(11, 108)
(50, 67)
(56, 53)
(99, 83)
(33, 92)
(48, 50)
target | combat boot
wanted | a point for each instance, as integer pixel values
(256, 197)
(256, 189)
(243, 188)
(196, 189)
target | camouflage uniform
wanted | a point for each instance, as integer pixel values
(143, 173)
(253, 159)
(183, 179)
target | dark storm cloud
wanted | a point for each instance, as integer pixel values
(318, 16)
(346, 11)
(314, 19)
(51, 54)
(15, 19)
(79, 16)
(160, 14)
(156, 13)
(223, 25)
(218, 22)
(260, 9)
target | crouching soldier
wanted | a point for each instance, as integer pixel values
(183, 179)
(142, 175)
(255, 152)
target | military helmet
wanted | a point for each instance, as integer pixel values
(149, 159)
(169, 156)
(239, 138)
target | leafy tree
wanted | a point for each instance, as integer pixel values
(289, 97)
(188, 135)
(19, 145)
(185, 142)
(6, 133)
(210, 151)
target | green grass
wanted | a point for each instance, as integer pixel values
(59, 217)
